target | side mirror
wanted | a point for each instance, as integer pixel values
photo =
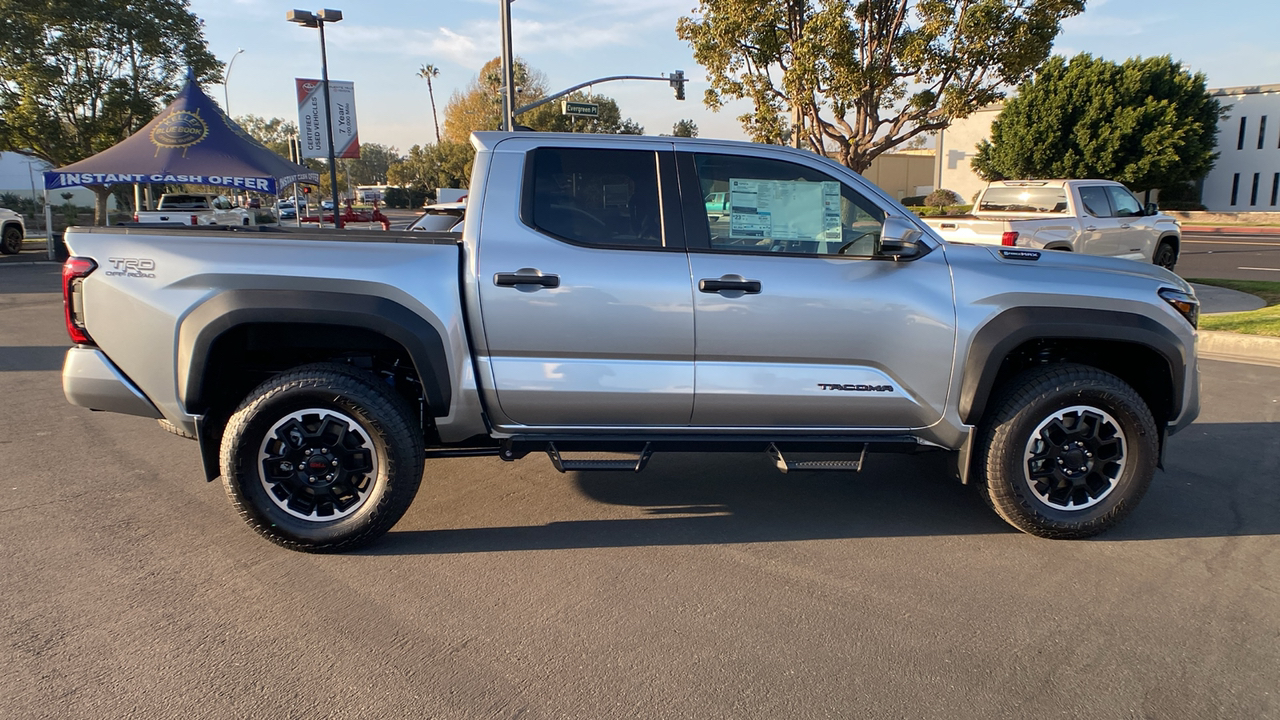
(899, 238)
(1152, 209)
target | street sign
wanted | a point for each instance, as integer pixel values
(579, 109)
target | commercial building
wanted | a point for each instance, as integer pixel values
(1246, 177)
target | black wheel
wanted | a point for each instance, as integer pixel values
(1066, 451)
(170, 427)
(322, 458)
(1166, 257)
(11, 240)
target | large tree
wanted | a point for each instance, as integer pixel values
(78, 76)
(867, 75)
(479, 107)
(428, 167)
(1147, 123)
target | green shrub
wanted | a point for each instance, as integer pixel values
(941, 198)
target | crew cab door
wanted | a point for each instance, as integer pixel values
(583, 285)
(1099, 227)
(1136, 233)
(800, 323)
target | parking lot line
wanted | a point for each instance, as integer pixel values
(1257, 268)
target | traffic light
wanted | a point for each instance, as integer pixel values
(306, 189)
(677, 81)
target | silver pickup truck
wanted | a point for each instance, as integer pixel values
(1094, 217)
(593, 306)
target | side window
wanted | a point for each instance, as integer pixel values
(761, 205)
(595, 197)
(1124, 202)
(1095, 201)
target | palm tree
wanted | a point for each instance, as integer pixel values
(427, 72)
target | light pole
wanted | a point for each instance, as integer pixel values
(317, 20)
(226, 98)
(508, 71)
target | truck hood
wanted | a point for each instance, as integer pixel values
(1050, 261)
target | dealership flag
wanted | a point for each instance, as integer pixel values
(311, 119)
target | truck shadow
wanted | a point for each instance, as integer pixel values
(31, 358)
(1218, 482)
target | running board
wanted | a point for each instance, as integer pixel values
(635, 464)
(818, 465)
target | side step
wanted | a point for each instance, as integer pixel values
(635, 464)
(821, 465)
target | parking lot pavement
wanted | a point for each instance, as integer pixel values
(708, 586)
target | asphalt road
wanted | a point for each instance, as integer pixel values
(709, 586)
(1237, 256)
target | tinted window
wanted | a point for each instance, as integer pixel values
(184, 202)
(762, 205)
(1124, 202)
(596, 197)
(1024, 199)
(1095, 201)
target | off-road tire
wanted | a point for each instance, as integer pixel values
(1003, 463)
(170, 427)
(1165, 256)
(378, 418)
(11, 240)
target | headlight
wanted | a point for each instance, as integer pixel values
(1185, 303)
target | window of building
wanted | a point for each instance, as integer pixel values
(756, 205)
(1262, 131)
(1094, 199)
(1253, 194)
(1275, 187)
(1235, 187)
(1240, 140)
(595, 197)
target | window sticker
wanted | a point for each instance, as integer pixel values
(784, 209)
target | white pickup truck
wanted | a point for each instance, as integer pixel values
(195, 209)
(1095, 217)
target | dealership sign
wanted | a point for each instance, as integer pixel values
(312, 135)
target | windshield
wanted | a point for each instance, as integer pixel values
(1024, 199)
(437, 221)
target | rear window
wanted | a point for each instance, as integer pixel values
(595, 197)
(1024, 199)
(184, 202)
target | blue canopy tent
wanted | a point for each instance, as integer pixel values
(190, 142)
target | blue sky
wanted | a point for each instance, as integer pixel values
(381, 44)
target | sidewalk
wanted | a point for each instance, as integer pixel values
(1234, 229)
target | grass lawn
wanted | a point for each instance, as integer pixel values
(1257, 322)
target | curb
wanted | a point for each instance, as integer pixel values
(1237, 229)
(1239, 347)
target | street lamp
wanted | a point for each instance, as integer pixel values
(226, 99)
(317, 20)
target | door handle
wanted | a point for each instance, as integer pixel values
(1125, 226)
(526, 276)
(729, 283)
(1090, 228)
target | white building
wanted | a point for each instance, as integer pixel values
(22, 176)
(1246, 177)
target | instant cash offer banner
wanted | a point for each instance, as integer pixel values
(311, 119)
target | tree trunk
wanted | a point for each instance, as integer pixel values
(100, 195)
(434, 118)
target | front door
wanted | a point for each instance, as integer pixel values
(586, 304)
(800, 324)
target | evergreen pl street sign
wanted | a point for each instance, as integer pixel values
(579, 109)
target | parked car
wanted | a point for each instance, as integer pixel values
(590, 305)
(1094, 217)
(445, 217)
(195, 209)
(285, 210)
(12, 232)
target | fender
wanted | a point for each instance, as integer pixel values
(1015, 326)
(200, 328)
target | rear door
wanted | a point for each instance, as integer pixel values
(585, 298)
(800, 324)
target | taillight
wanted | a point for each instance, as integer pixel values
(1009, 239)
(74, 271)
(135, 217)
(195, 220)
